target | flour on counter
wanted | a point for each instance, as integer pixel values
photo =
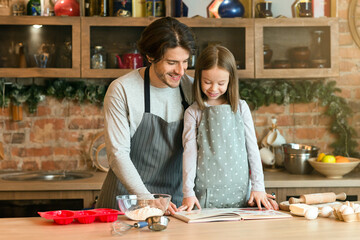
(143, 213)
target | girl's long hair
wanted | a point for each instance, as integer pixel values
(221, 57)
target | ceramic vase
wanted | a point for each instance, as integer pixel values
(231, 9)
(67, 8)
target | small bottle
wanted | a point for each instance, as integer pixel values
(155, 8)
(34, 8)
(98, 60)
(107, 8)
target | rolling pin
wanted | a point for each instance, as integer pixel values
(318, 198)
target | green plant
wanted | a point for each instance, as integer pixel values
(256, 92)
(259, 92)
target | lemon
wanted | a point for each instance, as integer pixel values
(320, 157)
(329, 159)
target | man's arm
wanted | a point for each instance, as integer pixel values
(117, 138)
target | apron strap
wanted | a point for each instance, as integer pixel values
(147, 92)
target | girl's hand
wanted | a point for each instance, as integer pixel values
(188, 204)
(267, 200)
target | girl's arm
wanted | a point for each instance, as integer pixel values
(257, 175)
(190, 151)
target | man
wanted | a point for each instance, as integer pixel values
(144, 117)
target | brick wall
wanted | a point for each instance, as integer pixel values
(58, 136)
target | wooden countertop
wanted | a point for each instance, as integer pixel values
(284, 179)
(279, 229)
(93, 183)
(281, 179)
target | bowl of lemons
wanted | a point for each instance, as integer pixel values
(333, 166)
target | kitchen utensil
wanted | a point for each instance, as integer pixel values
(157, 223)
(264, 9)
(275, 139)
(97, 152)
(120, 227)
(154, 223)
(297, 163)
(318, 198)
(267, 156)
(139, 207)
(285, 206)
(334, 170)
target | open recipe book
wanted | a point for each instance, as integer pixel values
(228, 214)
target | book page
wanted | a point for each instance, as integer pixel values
(228, 214)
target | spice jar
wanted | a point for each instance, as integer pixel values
(98, 59)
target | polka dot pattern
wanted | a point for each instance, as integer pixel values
(222, 177)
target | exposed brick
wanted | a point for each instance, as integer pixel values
(347, 66)
(11, 125)
(43, 111)
(284, 120)
(343, 13)
(310, 133)
(260, 121)
(56, 165)
(304, 107)
(73, 136)
(18, 138)
(30, 166)
(31, 152)
(4, 112)
(357, 93)
(50, 124)
(345, 39)
(7, 138)
(8, 165)
(272, 108)
(343, 27)
(351, 79)
(349, 53)
(83, 123)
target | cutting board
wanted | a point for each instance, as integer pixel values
(285, 206)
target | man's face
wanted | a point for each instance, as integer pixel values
(169, 70)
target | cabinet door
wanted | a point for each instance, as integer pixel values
(293, 46)
(237, 34)
(118, 36)
(39, 46)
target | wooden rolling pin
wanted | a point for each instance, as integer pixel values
(318, 198)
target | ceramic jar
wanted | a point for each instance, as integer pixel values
(300, 54)
(231, 9)
(67, 8)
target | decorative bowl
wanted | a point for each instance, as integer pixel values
(140, 207)
(334, 170)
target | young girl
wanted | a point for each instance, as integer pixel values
(220, 145)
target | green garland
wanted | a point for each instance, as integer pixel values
(256, 92)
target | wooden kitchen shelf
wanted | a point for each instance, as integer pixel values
(121, 33)
(243, 36)
(55, 32)
(283, 34)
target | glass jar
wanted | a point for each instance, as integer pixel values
(318, 45)
(98, 59)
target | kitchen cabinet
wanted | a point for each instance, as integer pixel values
(122, 34)
(50, 46)
(283, 35)
(286, 185)
(245, 37)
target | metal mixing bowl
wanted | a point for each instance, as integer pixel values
(296, 157)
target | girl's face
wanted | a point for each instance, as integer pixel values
(214, 83)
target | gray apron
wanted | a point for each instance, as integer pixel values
(222, 175)
(156, 151)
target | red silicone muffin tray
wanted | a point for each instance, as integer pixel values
(64, 217)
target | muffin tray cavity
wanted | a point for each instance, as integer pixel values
(64, 217)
